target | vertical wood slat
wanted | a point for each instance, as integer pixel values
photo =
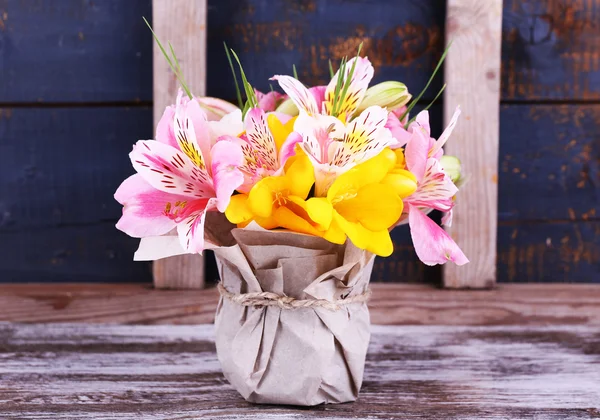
(183, 23)
(472, 74)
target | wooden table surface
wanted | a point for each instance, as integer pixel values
(71, 371)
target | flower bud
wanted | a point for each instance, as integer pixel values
(390, 95)
(288, 107)
(215, 108)
(452, 167)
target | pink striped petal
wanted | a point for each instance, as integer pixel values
(260, 138)
(365, 137)
(437, 147)
(170, 170)
(227, 157)
(401, 135)
(435, 189)
(298, 93)
(363, 73)
(192, 133)
(432, 244)
(288, 148)
(416, 152)
(144, 208)
(191, 230)
(318, 92)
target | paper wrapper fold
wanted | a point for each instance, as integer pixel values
(302, 356)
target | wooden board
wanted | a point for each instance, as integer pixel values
(75, 51)
(403, 43)
(183, 24)
(549, 162)
(391, 304)
(121, 372)
(61, 166)
(472, 73)
(96, 252)
(551, 50)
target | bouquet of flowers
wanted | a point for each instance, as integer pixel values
(296, 193)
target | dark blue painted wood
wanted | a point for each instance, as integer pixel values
(549, 162)
(80, 253)
(555, 252)
(403, 40)
(551, 49)
(75, 51)
(61, 166)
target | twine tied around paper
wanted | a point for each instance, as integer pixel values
(287, 302)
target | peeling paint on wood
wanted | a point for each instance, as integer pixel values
(84, 372)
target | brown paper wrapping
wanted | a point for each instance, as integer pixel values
(303, 356)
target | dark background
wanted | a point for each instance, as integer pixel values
(76, 93)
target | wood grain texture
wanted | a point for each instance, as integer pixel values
(75, 51)
(551, 50)
(549, 162)
(403, 43)
(391, 304)
(85, 372)
(183, 24)
(472, 73)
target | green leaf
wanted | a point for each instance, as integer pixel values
(295, 72)
(331, 72)
(173, 62)
(414, 101)
(237, 86)
(250, 95)
(348, 79)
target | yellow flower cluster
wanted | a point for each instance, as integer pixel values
(362, 204)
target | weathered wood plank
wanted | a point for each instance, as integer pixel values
(61, 166)
(549, 162)
(77, 371)
(403, 43)
(564, 251)
(183, 24)
(398, 304)
(75, 51)
(90, 253)
(551, 50)
(472, 74)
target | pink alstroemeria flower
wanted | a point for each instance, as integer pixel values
(309, 100)
(268, 102)
(265, 145)
(334, 147)
(180, 176)
(435, 190)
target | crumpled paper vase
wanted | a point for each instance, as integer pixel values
(274, 352)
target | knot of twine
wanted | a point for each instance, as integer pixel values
(287, 302)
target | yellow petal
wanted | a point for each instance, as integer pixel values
(290, 220)
(260, 198)
(368, 172)
(402, 181)
(375, 206)
(320, 211)
(335, 234)
(279, 130)
(378, 242)
(237, 211)
(400, 161)
(300, 176)
(267, 222)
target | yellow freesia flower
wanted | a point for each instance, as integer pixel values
(359, 204)
(403, 181)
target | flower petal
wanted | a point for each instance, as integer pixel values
(215, 108)
(432, 244)
(435, 189)
(227, 157)
(288, 148)
(375, 206)
(230, 125)
(238, 211)
(403, 182)
(168, 169)
(260, 198)
(191, 230)
(365, 137)
(416, 153)
(191, 132)
(260, 138)
(437, 147)
(300, 176)
(363, 73)
(304, 100)
(287, 219)
(269, 101)
(378, 242)
(144, 208)
(164, 130)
